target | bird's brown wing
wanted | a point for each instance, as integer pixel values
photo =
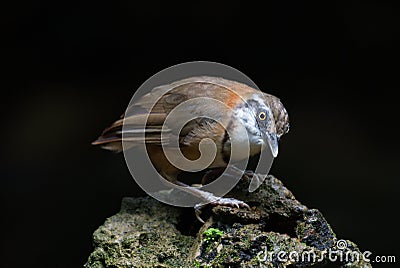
(156, 105)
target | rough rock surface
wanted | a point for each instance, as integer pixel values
(277, 232)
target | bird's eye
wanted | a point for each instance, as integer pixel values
(262, 116)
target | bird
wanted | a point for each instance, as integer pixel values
(263, 116)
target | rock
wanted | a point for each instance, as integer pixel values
(278, 231)
(143, 233)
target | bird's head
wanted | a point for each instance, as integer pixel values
(265, 120)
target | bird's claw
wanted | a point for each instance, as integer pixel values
(248, 174)
(230, 202)
(197, 211)
(227, 202)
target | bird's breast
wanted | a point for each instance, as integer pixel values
(241, 144)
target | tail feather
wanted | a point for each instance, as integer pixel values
(131, 130)
(111, 143)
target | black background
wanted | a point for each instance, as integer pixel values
(72, 67)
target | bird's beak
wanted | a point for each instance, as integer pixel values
(272, 140)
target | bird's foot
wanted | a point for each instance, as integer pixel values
(230, 202)
(222, 201)
(254, 179)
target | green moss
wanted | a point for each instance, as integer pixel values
(197, 264)
(212, 234)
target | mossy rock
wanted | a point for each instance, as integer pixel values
(143, 233)
(147, 233)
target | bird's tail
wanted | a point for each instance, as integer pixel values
(111, 138)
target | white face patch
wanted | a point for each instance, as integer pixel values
(260, 130)
(247, 115)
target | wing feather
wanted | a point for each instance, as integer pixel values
(145, 117)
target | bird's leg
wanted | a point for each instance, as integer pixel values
(256, 179)
(210, 198)
(233, 172)
(211, 175)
